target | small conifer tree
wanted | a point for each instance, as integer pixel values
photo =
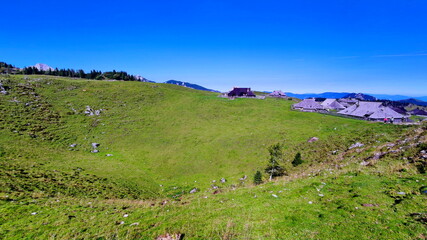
(297, 160)
(273, 168)
(258, 178)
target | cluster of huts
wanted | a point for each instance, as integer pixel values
(371, 111)
(237, 92)
(353, 107)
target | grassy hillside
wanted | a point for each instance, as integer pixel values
(166, 140)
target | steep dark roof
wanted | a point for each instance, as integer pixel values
(418, 112)
(399, 110)
(240, 92)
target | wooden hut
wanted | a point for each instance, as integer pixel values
(241, 92)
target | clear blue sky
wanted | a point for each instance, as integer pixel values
(299, 46)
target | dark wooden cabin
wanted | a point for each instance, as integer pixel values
(241, 92)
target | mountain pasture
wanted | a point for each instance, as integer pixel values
(164, 140)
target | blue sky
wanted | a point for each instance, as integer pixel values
(298, 46)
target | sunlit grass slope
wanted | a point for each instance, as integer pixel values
(166, 140)
(157, 133)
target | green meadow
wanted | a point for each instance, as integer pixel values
(157, 142)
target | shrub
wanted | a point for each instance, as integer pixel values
(297, 160)
(257, 178)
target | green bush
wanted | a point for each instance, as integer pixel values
(257, 178)
(297, 160)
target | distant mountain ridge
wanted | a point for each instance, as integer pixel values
(190, 85)
(414, 101)
(361, 97)
(318, 95)
(344, 94)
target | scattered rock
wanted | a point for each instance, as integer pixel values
(73, 145)
(214, 187)
(223, 180)
(274, 195)
(356, 145)
(321, 195)
(134, 224)
(89, 111)
(126, 215)
(310, 202)
(243, 178)
(109, 155)
(390, 145)
(34, 213)
(95, 145)
(401, 193)
(378, 156)
(364, 163)
(369, 205)
(313, 139)
(194, 190)
(95, 151)
(3, 90)
(174, 236)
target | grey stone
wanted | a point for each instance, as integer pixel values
(313, 139)
(364, 163)
(243, 178)
(356, 145)
(95, 151)
(3, 90)
(109, 155)
(89, 111)
(223, 180)
(378, 156)
(73, 145)
(167, 236)
(194, 190)
(95, 145)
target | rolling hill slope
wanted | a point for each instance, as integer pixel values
(166, 140)
(163, 132)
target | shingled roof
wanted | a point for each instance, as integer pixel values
(331, 103)
(371, 110)
(308, 104)
(277, 93)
